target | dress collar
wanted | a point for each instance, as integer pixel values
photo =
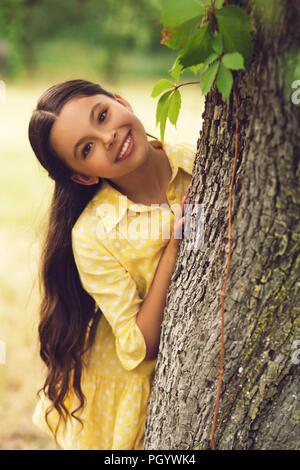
(111, 205)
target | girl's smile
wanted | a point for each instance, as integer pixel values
(126, 148)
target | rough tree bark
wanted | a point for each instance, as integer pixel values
(259, 405)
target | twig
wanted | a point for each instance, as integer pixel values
(212, 444)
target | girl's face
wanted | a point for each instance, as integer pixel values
(89, 135)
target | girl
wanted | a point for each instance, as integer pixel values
(104, 272)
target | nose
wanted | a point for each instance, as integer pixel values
(108, 138)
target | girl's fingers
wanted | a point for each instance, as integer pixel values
(178, 228)
(180, 213)
(179, 222)
(183, 201)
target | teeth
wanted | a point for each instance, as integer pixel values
(124, 148)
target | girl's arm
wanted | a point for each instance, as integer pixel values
(150, 314)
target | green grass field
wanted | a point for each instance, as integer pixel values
(25, 195)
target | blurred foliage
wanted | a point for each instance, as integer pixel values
(107, 30)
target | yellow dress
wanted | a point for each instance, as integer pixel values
(116, 257)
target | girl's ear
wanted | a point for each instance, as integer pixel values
(86, 180)
(123, 101)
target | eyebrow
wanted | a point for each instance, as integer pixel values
(91, 119)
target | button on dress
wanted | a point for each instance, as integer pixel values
(117, 245)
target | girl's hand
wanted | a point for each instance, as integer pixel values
(177, 233)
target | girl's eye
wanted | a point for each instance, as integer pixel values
(100, 117)
(86, 149)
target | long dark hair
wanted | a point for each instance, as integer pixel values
(68, 314)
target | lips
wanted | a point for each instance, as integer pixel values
(127, 150)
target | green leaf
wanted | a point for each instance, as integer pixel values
(217, 43)
(177, 37)
(162, 112)
(161, 86)
(207, 77)
(235, 17)
(195, 68)
(224, 81)
(233, 60)
(199, 47)
(234, 26)
(211, 58)
(237, 41)
(176, 70)
(176, 12)
(174, 107)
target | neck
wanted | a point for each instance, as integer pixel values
(148, 181)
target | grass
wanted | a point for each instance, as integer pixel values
(25, 195)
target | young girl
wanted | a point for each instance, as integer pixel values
(105, 270)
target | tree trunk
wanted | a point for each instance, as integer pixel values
(258, 403)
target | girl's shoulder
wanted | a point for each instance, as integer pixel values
(181, 147)
(86, 223)
(181, 155)
(99, 215)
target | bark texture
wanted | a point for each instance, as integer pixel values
(259, 405)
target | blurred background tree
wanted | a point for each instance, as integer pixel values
(105, 35)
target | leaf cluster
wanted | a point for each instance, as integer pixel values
(212, 40)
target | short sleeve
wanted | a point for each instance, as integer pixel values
(115, 292)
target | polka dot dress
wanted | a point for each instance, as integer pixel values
(117, 245)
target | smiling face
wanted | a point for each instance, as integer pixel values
(91, 132)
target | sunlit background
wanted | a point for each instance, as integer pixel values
(115, 43)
